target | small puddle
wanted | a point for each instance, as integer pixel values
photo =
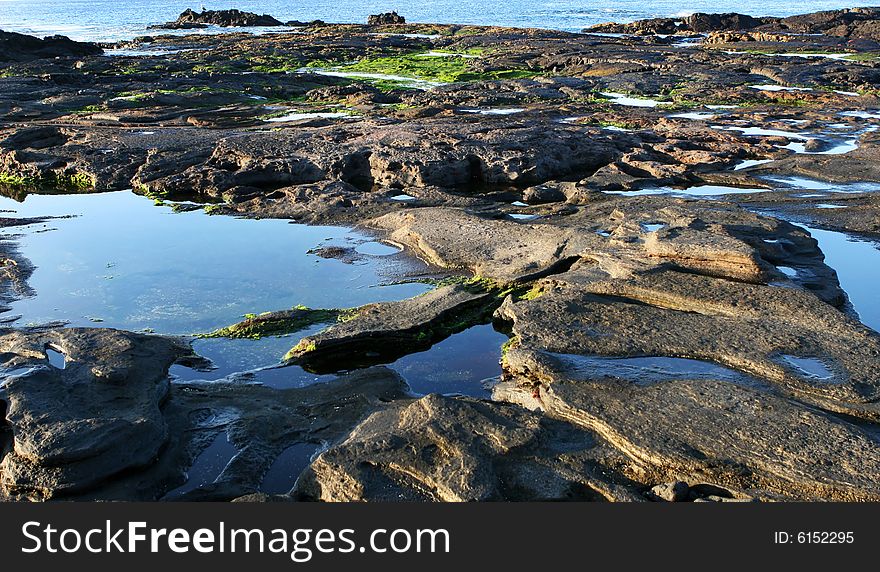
(403, 197)
(805, 183)
(287, 467)
(751, 163)
(630, 101)
(56, 358)
(695, 115)
(520, 216)
(653, 369)
(696, 191)
(862, 114)
(774, 87)
(300, 116)
(207, 466)
(460, 364)
(809, 367)
(494, 111)
(652, 227)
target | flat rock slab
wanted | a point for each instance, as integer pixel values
(769, 332)
(707, 429)
(456, 449)
(97, 414)
(383, 332)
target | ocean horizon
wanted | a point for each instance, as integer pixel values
(108, 20)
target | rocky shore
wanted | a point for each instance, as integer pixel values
(628, 204)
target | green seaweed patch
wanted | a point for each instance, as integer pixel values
(434, 69)
(256, 326)
(510, 344)
(863, 57)
(48, 183)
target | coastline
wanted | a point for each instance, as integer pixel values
(625, 205)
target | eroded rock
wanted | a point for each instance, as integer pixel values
(456, 449)
(77, 424)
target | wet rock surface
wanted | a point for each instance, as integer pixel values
(626, 207)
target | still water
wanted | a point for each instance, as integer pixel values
(111, 19)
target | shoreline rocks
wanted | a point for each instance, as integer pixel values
(190, 19)
(593, 197)
(385, 19)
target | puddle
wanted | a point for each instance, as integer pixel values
(377, 249)
(652, 369)
(761, 132)
(861, 114)
(815, 185)
(287, 467)
(258, 359)
(652, 227)
(460, 364)
(809, 367)
(519, 216)
(751, 163)
(403, 197)
(828, 206)
(696, 116)
(696, 191)
(56, 358)
(301, 116)
(838, 149)
(774, 87)
(495, 111)
(857, 263)
(629, 101)
(207, 466)
(422, 36)
(135, 266)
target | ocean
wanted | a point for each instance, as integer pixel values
(111, 20)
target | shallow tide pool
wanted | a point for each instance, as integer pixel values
(122, 262)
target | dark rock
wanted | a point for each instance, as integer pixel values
(385, 18)
(100, 415)
(20, 47)
(546, 193)
(189, 19)
(702, 23)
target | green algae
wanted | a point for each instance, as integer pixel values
(434, 69)
(256, 326)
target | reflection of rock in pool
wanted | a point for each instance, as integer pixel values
(284, 471)
(207, 466)
(457, 365)
(56, 357)
(857, 263)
